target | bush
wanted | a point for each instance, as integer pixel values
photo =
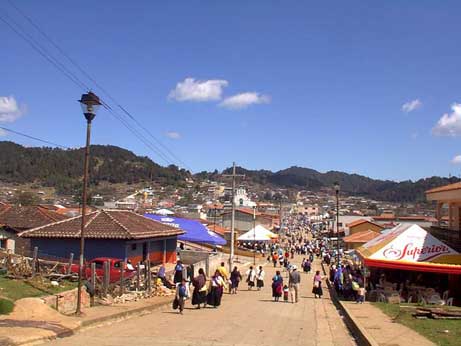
(6, 306)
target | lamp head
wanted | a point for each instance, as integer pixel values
(336, 186)
(90, 104)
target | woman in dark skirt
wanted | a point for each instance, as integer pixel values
(235, 279)
(277, 285)
(200, 289)
(178, 272)
(260, 278)
(317, 289)
(215, 295)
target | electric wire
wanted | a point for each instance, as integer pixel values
(43, 52)
(98, 85)
(34, 138)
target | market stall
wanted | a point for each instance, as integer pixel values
(259, 233)
(418, 260)
(195, 231)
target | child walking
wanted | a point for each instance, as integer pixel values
(286, 290)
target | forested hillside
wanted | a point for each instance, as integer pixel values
(354, 184)
(63, 169)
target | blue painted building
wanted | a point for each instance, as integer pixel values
(108, 233)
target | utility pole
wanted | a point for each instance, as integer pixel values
(254, 236)
(233, 175)
(280, 214)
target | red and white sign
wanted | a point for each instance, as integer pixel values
(411, 243)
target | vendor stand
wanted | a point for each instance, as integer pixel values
(412, 252)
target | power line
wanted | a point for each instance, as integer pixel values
(92, 79)
(136, 133)
(34, 138)
(43, 52)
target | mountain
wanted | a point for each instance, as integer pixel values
(353, 184)
(63, 169)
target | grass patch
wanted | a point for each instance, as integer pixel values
(17, 289)
(6, 306)
(433, 330)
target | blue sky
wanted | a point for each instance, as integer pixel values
(268, 84)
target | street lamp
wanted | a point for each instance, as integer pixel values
(336, 186)
(90, 104)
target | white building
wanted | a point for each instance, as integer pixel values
(241, 199)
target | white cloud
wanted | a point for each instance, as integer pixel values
(9, 109)
(198, 90)
(450, 123)
(173, 135)
(244, 100)
(410, 106)
(3, 133)
(456, 160)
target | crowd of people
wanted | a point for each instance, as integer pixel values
(297, 239)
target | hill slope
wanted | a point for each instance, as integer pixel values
(63, 169)
(354, 184)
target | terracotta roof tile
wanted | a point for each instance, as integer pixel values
(361, 237)
(26, 217)
(105, 224)
(361, 221)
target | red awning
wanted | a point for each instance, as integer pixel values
(415, 266)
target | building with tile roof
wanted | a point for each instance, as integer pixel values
(108, 233)
(15, 219)
(356, 240)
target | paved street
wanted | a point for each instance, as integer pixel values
(248, 318)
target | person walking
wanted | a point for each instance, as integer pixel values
(275, 258)
(216, 291)
(260, 278)
(317, 289)
(251, 277)
(178, 272)
(277, 286)
(200, 289)
(181, 294)
(235, 278)
(225, 276)
(294, 280)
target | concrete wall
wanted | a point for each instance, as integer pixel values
(66, 302)
(202, 259)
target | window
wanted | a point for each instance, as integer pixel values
(133, 247)
(117, 265)
(99, 264)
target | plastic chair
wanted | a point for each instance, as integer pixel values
(410, 298)
(381, 298)
(435, 299)
(449, 302)
(445, 295)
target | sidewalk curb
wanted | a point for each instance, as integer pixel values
(358, 331)
(93, 322)
(124, 314)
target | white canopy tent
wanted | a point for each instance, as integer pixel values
(259, 233)
(164, 212)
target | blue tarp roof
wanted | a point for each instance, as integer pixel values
(195, 231)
